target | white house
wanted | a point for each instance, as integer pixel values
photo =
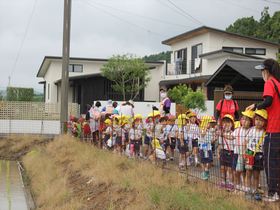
(86, 83)
(198, 54)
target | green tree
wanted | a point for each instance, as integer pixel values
(19, 94)
(129, 74)
(185, 96)
(177, 93)
(159, 56)
(246, 26)
(267, 27)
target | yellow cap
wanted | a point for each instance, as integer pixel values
(229, 117)
(154, 113)
(108, 121)
(138, 116)
(248, 113)
(237, 124)
(262, 113)
(191, 114)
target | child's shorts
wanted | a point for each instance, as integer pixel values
(226, 158)
(258, 162)
(147, 140)
(118, 140)
(136, 144)
(238, 163)
(183, 148)
(206, 158)
(172, 143)
(195, 143)
(126, 137)
(106, 138)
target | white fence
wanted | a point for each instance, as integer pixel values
(32, 117)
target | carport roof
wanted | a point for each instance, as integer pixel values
(246, 68)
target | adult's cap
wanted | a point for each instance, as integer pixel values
(260, 67)
(228, 89)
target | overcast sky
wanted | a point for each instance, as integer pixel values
(32, 29)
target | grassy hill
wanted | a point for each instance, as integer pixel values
(69, 174)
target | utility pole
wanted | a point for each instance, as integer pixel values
(65, 65)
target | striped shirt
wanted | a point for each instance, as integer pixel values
(226, 142)
(193, 131)
(255, 137)
(206, 140)
(240, 140)
(149, 129)
(183, 132)
(171, 131)
(136, 133)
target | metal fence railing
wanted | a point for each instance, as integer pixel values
(226, 159)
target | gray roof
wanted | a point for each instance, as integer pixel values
(216, 52)
(244, 67)
(205, 29)
(185, 80)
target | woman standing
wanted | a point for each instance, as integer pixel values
(271, 76)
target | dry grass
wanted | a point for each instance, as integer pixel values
(113, 180)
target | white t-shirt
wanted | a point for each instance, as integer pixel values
(255, 137)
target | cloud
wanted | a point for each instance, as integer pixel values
(104, 28)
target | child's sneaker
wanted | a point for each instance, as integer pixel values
(257, 196)
(272, 198)
(229, 186)
(222, 184)
(171, 158)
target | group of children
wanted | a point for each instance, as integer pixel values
(158, 137)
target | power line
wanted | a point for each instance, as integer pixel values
(142, 16)
(238, 5)
(23, 40)
(121, 19)
(185, 13)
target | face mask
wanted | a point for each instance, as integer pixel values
(163, 95)
(228, 97)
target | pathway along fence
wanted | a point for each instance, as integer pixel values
(18, 117)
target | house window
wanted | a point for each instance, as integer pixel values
(75, 68)
(181, 61)
(255, 51)
(196, 61)
(234, 49)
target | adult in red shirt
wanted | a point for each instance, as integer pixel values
(271, 150)
(227, 105)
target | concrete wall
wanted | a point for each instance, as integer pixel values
(144, 108)
(30, 126)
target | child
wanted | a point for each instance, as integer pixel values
(172, 134)
(135, 137)
(193, 135)
(119, 134)
(108, 134)
(183, 142)
(240, 135)
(255, 152)
(157, 152)
(149, 125)
(226, 151)
(205, 149)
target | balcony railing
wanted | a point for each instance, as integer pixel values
(184, 68)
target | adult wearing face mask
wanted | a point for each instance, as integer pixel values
(227, 105)
(165, 103)
(271, 149)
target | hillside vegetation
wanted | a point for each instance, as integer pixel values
(69, 174)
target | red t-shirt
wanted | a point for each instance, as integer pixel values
(273, 121)
(228, 107)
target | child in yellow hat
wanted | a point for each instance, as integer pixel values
(254, 153)
(240, 135)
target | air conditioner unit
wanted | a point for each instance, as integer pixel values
(197, 62)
